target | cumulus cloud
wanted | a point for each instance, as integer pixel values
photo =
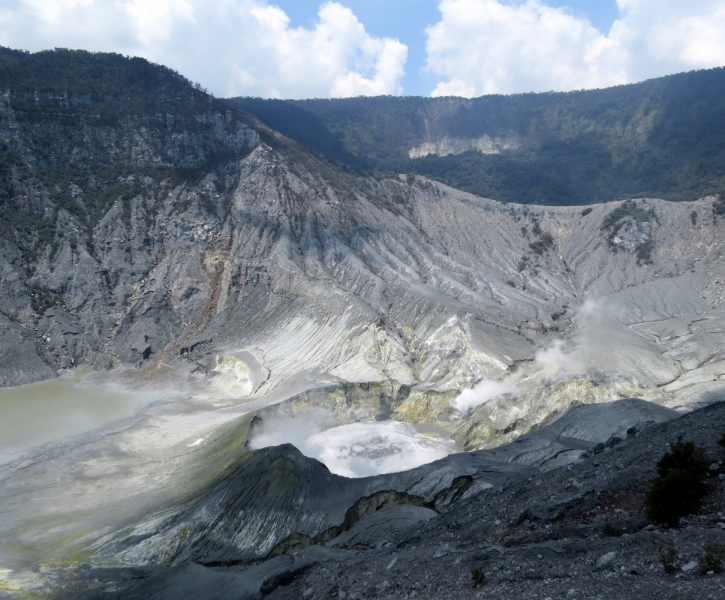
(498, 46)
(233, 47)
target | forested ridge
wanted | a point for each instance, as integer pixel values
(662, 138)
(80, 131)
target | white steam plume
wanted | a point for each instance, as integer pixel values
(553, 363)
(353, 450)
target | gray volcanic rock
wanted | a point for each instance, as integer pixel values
(19, 356)
(272, 500)
(567, 437)
(574, 532)
(529, 532)
(386, 521)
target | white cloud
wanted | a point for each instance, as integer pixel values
(498, 46)
(233, 47)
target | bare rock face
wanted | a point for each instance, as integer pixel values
(310, 270)
(447, 146)
(19, 356)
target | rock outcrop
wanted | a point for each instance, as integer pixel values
(564, 528)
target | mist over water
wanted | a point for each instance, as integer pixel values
(355, 449)
(58, 409)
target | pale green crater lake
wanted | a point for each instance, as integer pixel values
(51, 411)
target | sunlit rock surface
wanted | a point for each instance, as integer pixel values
(289, 280)
(302, 268)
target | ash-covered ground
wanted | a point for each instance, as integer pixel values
(575, 532)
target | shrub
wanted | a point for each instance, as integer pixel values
(42, 298)
(712, 561)
(680, 487)
(718, 208)
(626, 211)
(542, 244)
(478, 576)
(668, 558)
(587, 211)
(693, 217)
(684, 456)
(644, 252)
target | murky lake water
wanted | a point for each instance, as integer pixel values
(50, 411)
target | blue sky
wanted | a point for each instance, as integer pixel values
(340, 48)
(407, 20)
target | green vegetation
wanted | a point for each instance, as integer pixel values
(718, 208)
(43, 298)
(680, 486)
(587, 211)
(661, 138)
(478, 576)
(669, 559)
(627, 211)
(693, 217)
(643, 252)
(132, 84)
(712, 561)
(76, 113)
(542, 244)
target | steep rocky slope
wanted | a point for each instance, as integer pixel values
(198, 250)
(580, 527)
(271, 264)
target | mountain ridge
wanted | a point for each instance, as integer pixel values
(656, 138)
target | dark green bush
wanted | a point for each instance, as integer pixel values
(684, 456)
(42, 298)
(719, 207)
(644, 252)
(587, 211)
(627, 210)
(668, 558)
(478, 576)
(693, 217)
(542, 244)
(680, 487)
(712, 561)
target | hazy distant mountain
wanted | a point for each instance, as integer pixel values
(662, 138)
